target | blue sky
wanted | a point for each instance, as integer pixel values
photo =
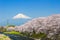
(31, 8)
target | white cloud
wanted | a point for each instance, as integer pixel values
(18, 16)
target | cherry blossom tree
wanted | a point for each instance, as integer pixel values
(48, 25)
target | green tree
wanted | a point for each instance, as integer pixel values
(10, 25)
(2, 29)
